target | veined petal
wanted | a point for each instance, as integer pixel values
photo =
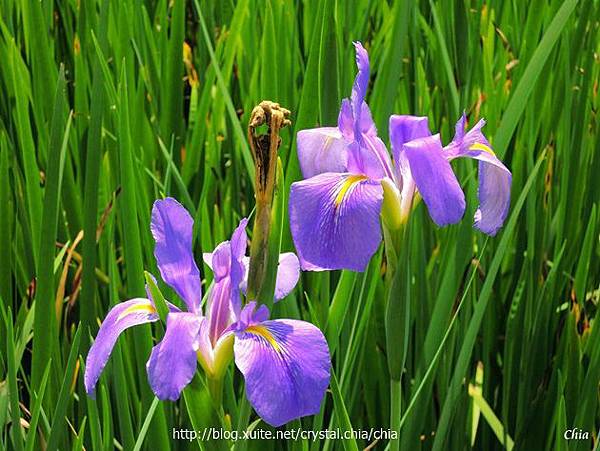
(366, 124)
(285, 364)
(173, 361)
(370, 157)
(250, 314)
(345, 123)
(221, 260)
(227, 261)
(219, 309)
(321, 150)
(172, 230)
(121, 316)
(334, 220)
(435, 180)
(494, 178)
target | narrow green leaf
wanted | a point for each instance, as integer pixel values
(37, 407)
(583, 266)
(142, 435)
(58, 418)
(342, 414)
(157, 297)
(13, 365)
(520, 96)
(45, 341)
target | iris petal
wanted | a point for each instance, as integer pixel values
(227, 260)
(121, 316)
(405, 128)
(285, 364)
(288, 273)
(494, 178)
(435, 180)
(334, 220)
(172, 362)
(494, 196)
(238, 251)
(321, 150)
(361, 82)
(172, 230)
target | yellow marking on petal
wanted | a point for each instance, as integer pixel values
(262, 331)
(346, 186)
(139, 308)
(482, 147)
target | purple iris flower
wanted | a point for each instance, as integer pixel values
(350, 181)
(285, 362)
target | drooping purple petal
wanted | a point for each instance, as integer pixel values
(494, 196)
(321, 150)
(172, 362)
(285, 364)
(435, 180)
(121, 316)
(172, 230)
(494, 178)
(334, 220)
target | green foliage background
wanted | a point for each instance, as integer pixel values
(100, 114)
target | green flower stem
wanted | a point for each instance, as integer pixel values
(215, 388)
(395, 410)
(397, 318)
